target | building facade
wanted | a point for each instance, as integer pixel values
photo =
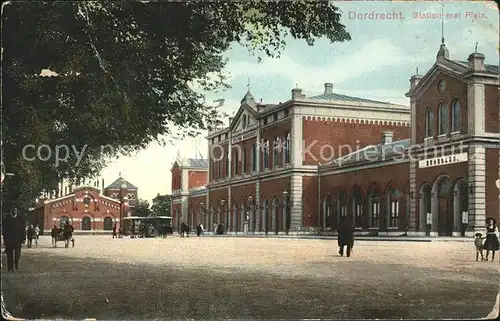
(89, 209)
(298, 166)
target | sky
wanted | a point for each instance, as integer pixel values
(376, 64)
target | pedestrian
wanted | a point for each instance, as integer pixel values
(491, 242)
(14, 237)
(345, 236)
(37, 235)
(114, 231)
(54, 233)
(201, 229)
(68, 235)
(30, 234)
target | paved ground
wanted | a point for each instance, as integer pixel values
(250, 278)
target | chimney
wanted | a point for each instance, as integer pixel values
(297, 93)
(414, 80)
(328, 88)
(476, 61)
(386, 137)
(230, 120)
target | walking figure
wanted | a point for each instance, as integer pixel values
(37, 235)
(345, 236)
(114, 231)
(478, 243)
(13, 238)
(30, 234)
(491, 243)
(54, 233)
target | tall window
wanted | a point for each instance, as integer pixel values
(443, 119)
(394, 198)
(213, 170)
(276, 151)
(266, 154)
(236, 160)
(86, 226)
(358, 208)
(219, 172)
(254, 157)
(108, 223)
(287, 147)
(455, 116)
(374, 209)
(429, 122)
(244, 163)
(342, 201)
(227, 164)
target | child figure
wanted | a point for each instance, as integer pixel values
(478, 242)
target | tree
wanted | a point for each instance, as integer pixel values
(125, 74)
(142, 208)
(161, 205)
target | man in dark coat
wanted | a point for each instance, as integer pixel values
(346, 235)
(14, 237)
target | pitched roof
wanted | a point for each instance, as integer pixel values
(374, 153)
(117, 184)
(198, 162)
(489, 68)
(339, 97)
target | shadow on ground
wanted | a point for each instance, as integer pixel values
(50, 286)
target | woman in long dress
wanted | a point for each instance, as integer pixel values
(491, 243)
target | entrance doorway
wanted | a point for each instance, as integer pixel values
(445, 207)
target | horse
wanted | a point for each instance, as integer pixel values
(184, 230)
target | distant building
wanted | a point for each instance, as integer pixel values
(88, 208)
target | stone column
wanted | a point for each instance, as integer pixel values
(296, 203)
(412, 219)
(477, 195)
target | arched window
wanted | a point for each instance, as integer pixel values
(443, 119)
(455, 116)
(266, 154)
(86, 225)
(287, 148)
(342, 201)
(255, 150)
(236, 157)
(429, 122)
(63, 220)
(358, 207)
(393, 200)
(227, 164)
(108, 223)
(276, 151)
(374, 203)
(445, 187)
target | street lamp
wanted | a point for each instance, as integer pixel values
(124, 205)
(223, 207)
(248, 207)
(202, 214)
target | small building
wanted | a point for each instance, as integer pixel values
(86, 208)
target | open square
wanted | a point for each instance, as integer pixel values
(231, 277)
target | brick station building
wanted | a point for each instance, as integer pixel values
(428, 169)
(88, 208)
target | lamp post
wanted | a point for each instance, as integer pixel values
(223, 208)
(247, 215)
(201, 219)
(123, 213)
